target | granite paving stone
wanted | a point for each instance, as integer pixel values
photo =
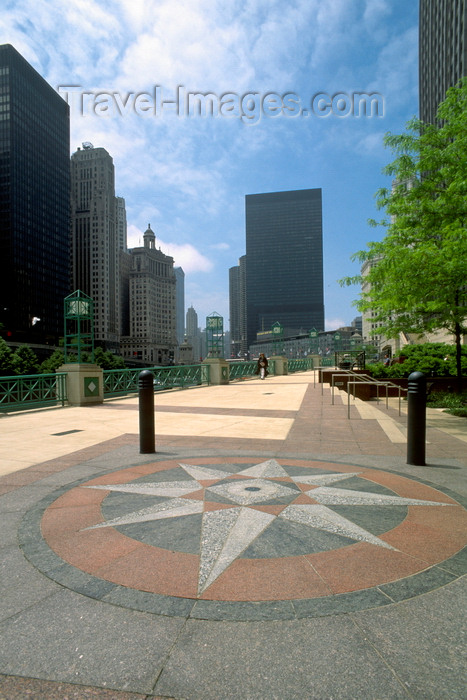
(423, 640)
(262, 590)
(74, 639)
(20, 582)
(321, 658)
(17, 688)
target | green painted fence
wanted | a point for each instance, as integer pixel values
(240, 370)
(41, 390)
(32, 391)
(300, 364)
(118, 382)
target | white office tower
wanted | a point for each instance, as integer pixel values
(96, 241)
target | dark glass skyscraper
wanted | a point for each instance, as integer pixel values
(442, 51)
(284, 261)
(34, 202)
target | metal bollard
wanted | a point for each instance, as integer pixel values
(416, 419)
(146, 412)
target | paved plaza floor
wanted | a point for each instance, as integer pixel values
(276, 545)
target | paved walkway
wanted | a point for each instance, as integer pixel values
(276, 545)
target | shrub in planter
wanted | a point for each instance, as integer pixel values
(433, 359)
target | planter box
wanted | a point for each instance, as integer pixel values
(326, 375)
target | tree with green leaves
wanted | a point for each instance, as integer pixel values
(7, 364)
(25, 360)
(416, 277)
(53, 362)
(107, 360)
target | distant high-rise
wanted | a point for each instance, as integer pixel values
(237, 308)
(192, 332)
(191, 322)
(284, 262)
(98, 234)
(34, 202)
(180, 303)
(234, 310)
(442, 51)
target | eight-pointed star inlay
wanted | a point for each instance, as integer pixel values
(228, 531)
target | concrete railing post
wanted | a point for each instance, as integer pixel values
(218, 370)
(416, 419)
(146, 412)
(281, 365)
(85, 383)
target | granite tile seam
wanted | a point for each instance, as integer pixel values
(205, 410)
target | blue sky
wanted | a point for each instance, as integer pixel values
(187, 175)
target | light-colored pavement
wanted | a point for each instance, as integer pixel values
(309, 560)
(29, 437)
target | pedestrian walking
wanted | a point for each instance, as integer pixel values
(262, 366)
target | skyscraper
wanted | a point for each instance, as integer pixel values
(237, 308)
(34, 202)
(284, 262)
(192, 333)
(121, 224)
(97, 219)
(234, 310)
(442, 51)
(152, 305)
(180, 303)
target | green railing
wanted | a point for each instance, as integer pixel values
(239, 370)
(300, 364)
(119, 382)
(40, 390)
(32, 391)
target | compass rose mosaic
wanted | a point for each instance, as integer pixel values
(217, 529)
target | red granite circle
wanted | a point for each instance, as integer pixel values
(428, 535)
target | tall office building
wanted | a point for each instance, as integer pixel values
(237, 309)
(34, 202)
(180, 303)
(442, 51)
(121, 224)
(284, 262)
(97, 238)
(192, 333)
(191, 322)
(152, 305)
(234, 310)
(243, 317)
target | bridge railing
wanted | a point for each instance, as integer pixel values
(41, 390)
(300, 364)
(240, 370)
(119, 382)
(21, 392)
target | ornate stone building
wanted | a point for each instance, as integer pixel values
(152, 305)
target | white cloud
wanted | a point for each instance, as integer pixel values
(188, 257)
(374, 16)
(332, 324)
(398, 86)
(185, 255)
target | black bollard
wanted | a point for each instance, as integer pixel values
(416, 419)
(146, 412)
